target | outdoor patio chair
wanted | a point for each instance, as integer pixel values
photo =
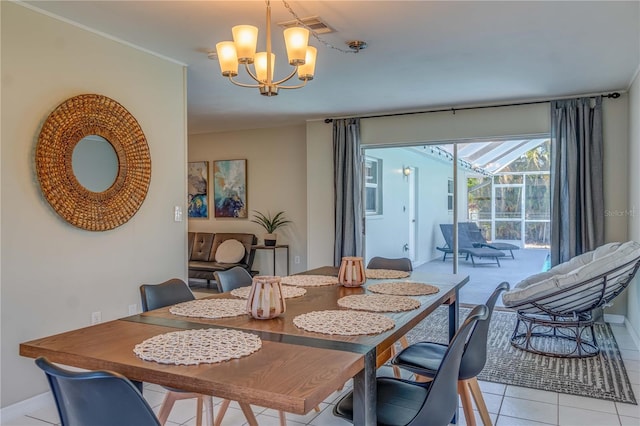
(478, 240)
(466, 247)
(554, 308)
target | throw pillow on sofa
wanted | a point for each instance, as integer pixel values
(230, 251)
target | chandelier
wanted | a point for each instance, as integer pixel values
(242, 50)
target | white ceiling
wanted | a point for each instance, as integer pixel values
(421, 54)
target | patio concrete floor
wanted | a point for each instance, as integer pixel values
(484, 278)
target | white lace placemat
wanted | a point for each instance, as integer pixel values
(388, 274)
(344, 323)
(193, 347)
(309, 280)
(288, 291)
(210, 308)
(403, 288)
(378, 303)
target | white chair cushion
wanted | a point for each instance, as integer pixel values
(230, 251)
(605, 250)
(579, 269)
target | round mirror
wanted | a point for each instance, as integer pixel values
(95, 163)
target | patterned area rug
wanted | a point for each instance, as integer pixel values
(602, 376)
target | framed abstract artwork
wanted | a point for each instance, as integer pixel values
(198, 189)
(230, 188)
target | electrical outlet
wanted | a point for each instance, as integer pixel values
(296, 260)
(133, 309)
(96, 317)
(177, 214)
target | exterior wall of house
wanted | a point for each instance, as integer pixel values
(276, 181)
(389, 232)
(633, 299)
(53, 274)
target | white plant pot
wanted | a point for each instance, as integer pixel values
(270, 240)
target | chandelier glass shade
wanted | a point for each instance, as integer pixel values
(242, 50)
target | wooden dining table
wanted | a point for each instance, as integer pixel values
(293, 371)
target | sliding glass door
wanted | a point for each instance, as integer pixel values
(415, 194)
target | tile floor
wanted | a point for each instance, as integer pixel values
(508, 405)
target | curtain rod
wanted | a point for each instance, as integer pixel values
(612, 95)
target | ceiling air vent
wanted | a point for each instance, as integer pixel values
(312, 22)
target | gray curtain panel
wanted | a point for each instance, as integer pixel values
(347, 167)
(577, 196)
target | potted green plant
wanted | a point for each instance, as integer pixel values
(270, 224)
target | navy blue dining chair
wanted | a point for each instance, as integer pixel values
(424, 358)
(96, 398)
(408, 403)
(155, 296)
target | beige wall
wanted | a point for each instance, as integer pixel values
(276, 180)
(477, 123)
(616, 179)
(53, 276)
(320, 194)
(633, 299)
(448, 126)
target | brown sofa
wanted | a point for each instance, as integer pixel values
(202, 251)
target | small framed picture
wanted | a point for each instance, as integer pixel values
(198, 189)
(230, 188)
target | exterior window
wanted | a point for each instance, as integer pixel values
(373, 185)
(450, 194)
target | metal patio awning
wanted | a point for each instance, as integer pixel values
(486, 157)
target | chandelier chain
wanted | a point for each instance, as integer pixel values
(313, 33)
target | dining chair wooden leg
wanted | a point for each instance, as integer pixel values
(422, 379)
(396, 370)
(465, 397)
(404, 342)
(474, 386)
(167, 404)
(222, 410)
(170, 399)
(248, 413)
(199, 405)
(209, 417)
(317, 408)
(397, 373)
(283, 418)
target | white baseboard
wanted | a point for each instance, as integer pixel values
(614, 318)
(632, 332)
(22, 408)
(622, 320)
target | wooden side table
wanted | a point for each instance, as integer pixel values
(274, 250)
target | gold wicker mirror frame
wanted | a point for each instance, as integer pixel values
(71, 121)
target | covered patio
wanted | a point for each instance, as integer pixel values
(485, 277)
